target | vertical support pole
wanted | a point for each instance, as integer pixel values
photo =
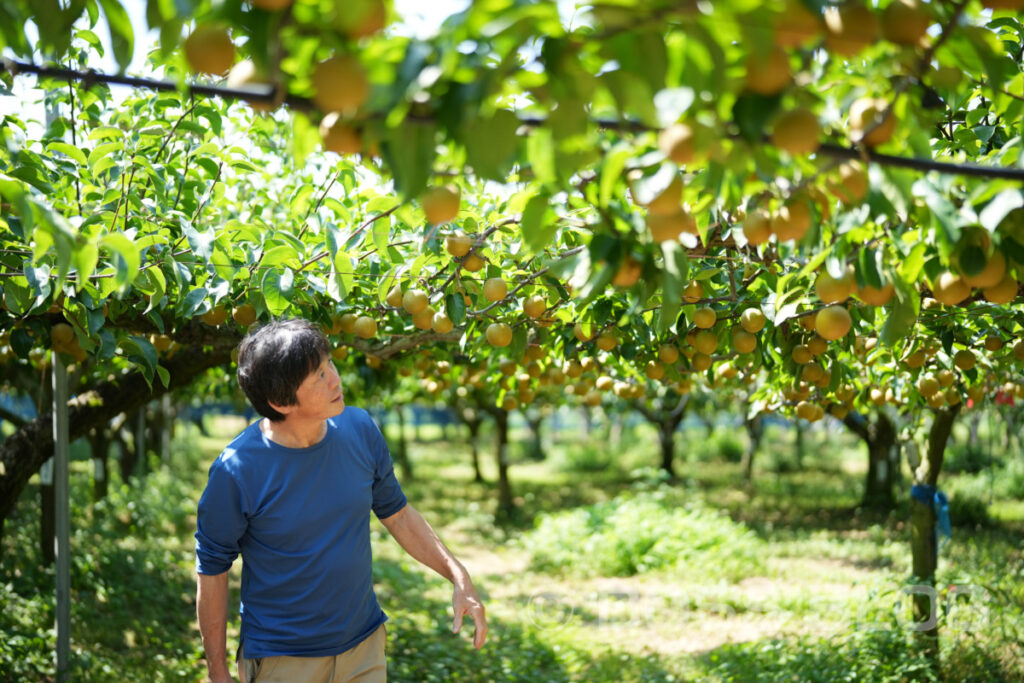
(63, 516)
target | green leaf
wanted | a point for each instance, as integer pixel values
(752, 112)
(70, 150)
(201, 243)
(540, 150)
(275, 256)
(101, 151)
(641, 53)
(672, 103)
(650, 187)
(35, 177)
(518, 345)
(911, 266)
(972, 259)
(409, 151)
(381, 230)
(455, 305)
(943, 211)
(673, 277)
(86, 256)
(491, 144)
(140, 352)
(192, 303)
(568, 120)
(535, 231)
(127, 259)
(105, 132)
(277, 287)
(611, 171)
(39, 283)
(634, 97)
(1000, 206)
(382, 203)
(998, 66)
(304, 139)
(900, 323)
(868, 261)
(121, 35)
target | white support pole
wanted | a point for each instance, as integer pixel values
(61, 496)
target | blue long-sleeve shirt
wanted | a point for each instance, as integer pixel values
(300, 518)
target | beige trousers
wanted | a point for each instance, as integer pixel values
(364, 663)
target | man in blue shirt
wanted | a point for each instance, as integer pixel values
(292, 494)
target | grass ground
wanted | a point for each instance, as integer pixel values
(785, 579)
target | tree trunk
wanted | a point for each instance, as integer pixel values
(506, 507)
(667, 441)
(667, 422)
(1011, 433)
(798, 446)
(709, 424)
(126, 457)
(139, 444)
(474, 431)
(536, 444)
(402, 449)
(878, 487)
(166, 422)
(923, 543)
(615, 433)
(99, 444)
(588, 421)
(755, 432)
(883, 458)
(973, 439)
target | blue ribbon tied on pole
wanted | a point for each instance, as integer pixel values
(931, 495)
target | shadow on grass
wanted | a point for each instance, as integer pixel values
(422, 648)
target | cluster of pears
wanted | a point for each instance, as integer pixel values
(416, 302)
(340, 83)
(996, 282)
(846, 30)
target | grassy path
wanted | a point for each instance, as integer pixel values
(783, 581)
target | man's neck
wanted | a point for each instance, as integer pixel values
(292, 433)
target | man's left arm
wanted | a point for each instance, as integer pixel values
(420, 540)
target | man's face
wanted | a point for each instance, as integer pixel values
(320, 395)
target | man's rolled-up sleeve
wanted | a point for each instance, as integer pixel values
(388, 497)
(221, 522)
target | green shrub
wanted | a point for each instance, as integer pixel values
(968, 496)
(721, 445)
(585, 457)
(963, 457)
(728, 446)
(1009, 481)
(635, 533)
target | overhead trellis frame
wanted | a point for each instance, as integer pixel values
(269, 94)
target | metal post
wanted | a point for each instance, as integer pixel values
(62, 546)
